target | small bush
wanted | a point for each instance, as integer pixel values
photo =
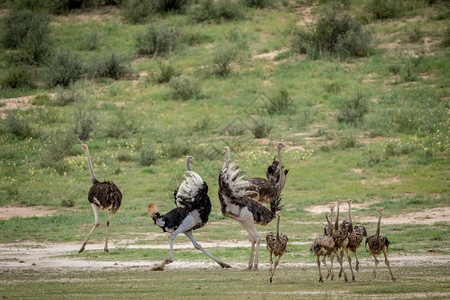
(257, 3)
(193, 37)
(83, 121)
(352, 110)
(169, 5)
(165, 73)
(279, 104)
(446, 40)
(235, 129)
(153, 41)
(136, 11)
(68, 96)
(332, 34)
(148, 156)
(64, 69)
(385, 9)
(216, 10)
(184, 88)
(346, 141)
(90, 42)
(67, 203)
(17, 77)
(223, 58)
(176, 149)
(19, 125)
(116, 126)
(41, 99)
(415, 34)
(29, 32)
(60, 146)
(111, 65)
(261, 129)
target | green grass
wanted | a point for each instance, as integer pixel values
(401, 145)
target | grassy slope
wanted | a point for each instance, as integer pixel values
(320, 174)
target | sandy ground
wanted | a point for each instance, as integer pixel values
(8, 212)
(42, 257)
(21, 103)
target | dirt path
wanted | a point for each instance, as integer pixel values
(21, 103)
(8, 212)
(42, 257)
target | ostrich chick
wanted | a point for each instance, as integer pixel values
(276, 246)
(376, 244)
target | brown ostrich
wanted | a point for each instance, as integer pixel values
(266, 189)
(376, 244)
(340, 237)
(103, 195)
(355, 238)
(276, 246)
(236, 203)
(324, 245)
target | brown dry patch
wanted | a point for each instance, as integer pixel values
(427, 216)
(382, 182)
(305, 14)
(320, 209)
(21, 103)
(8, 212)
(269, 55)
(357, 171)
(371, 140)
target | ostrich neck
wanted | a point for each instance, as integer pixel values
(278, 228)
(188, 165)
(350, 213)
(336, 224)
(91, 169)
(378, 228)
(329, 224)
(227, 160)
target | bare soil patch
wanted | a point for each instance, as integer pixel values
(8, 212)
(427, 216)
(21, 103)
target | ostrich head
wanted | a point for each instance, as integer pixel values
(281, 145)
(152, 211)
(381, 211)
(360, 230)
(225, 150)
(190, 159)
(349, 201)
(278, 213)
(326, 214)
(84, 147)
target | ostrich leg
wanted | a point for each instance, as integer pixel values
(374, 273)
(357, 262)
(107, 230)
(95, 209)
(350, 263)
(197, 246)
(275, 267)
(386, 261)
(320, 273)
(187, 224)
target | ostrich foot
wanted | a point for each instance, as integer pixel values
(255, 268)
(106, 249)
(345, 277)
(357, 266)
(270, 280)
(353, 277)
(374, 275)
(168, 261)
(320, 279)
(393, 279)
(81, 250)
(224, 265)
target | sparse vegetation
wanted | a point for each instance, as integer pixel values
(352, 110)
(153, 41)
(184, 88)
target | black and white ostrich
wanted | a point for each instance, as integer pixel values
(355, 237)
(192, 212)
(103, 195)
(324, 245)
(266, 189)
(237, 203)
(276, 244)
(376, 244)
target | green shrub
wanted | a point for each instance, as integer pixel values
(136, 11)
(415, 34)
(193, 37)
(90, 41)
(184, 88)
(64, 69)
(261, 129)
(385, 9)
(68, 96)
(352, 110)
(41, 99)
(216, 10)
(148, 156)
(110, 65)
(17, 77)
(346, 141)
(84, 121)
(116, 126)
(279, 104)
(60, 146)
(446, 40)
(153, 41)
(176, 149)
(235, 129)
(28, 32)
(257, 3)
(165, 73)
(19, 125)
(223, 58)
(333, 34)
(169, 5)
